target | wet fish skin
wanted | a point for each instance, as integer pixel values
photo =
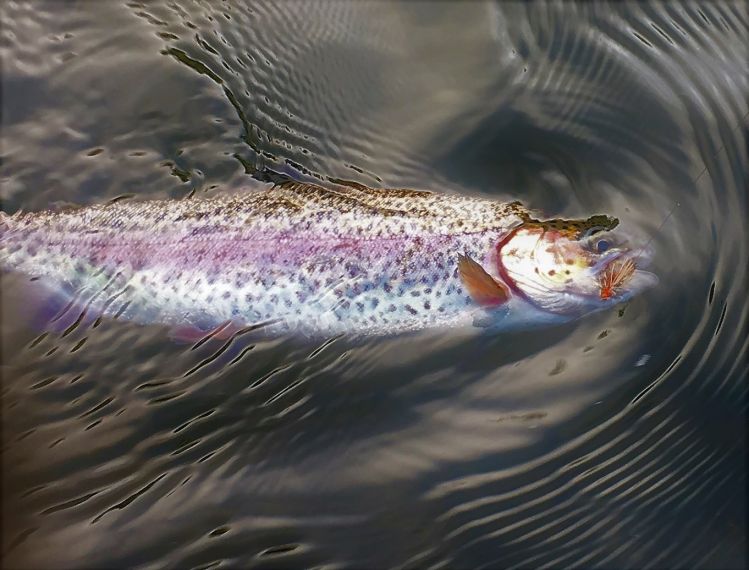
(310, 259)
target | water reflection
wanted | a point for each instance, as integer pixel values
(616, 441)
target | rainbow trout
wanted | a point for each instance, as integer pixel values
(320, 261)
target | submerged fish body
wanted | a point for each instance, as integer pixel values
(306, 258)
(297, 258)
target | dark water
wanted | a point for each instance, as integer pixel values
(614, 442)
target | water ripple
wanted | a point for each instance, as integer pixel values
(614, 442)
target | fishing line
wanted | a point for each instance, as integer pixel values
(677, 204)
(660, 227)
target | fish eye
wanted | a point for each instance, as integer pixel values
(602, 245)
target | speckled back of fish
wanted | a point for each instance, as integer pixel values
(302, 257)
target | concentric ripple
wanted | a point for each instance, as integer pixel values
(614, 442)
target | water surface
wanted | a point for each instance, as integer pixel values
(614, 442)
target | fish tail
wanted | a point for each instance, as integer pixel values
(8, 223)
(4, 223)
(8, 228)
(5, 228)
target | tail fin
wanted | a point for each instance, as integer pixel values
(4, 225)
(5, 221)
(8, 225)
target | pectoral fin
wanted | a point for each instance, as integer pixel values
(482, 287)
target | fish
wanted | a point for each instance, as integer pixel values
(323, 260)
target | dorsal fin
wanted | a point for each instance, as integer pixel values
(342, 197)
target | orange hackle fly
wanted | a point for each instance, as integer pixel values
(614, 276)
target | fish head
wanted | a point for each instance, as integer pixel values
(573, 267)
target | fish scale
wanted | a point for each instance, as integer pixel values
(309, 259)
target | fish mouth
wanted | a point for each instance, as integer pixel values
(622, 276)
(614, 276)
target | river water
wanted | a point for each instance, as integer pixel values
(617, 441)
